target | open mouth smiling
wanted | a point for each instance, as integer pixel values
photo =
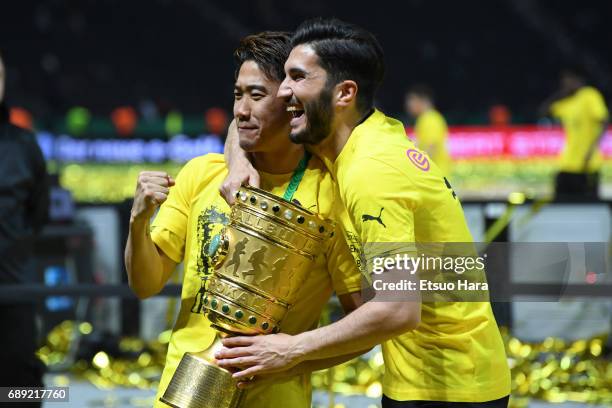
(295, 111)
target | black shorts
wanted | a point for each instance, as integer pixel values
(498, 403)
(576, 186)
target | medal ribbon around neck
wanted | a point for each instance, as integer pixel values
(296, 177)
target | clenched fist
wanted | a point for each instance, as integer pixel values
(152, 190)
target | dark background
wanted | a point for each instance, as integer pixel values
(178, 54)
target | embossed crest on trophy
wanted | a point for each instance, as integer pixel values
(261, 261)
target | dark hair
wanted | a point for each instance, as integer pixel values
(345, 51)
(269, 49)
(421, 90)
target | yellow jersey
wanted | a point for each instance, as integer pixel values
(582, 115)
(183, 228)
(431, 135)
(394, 192)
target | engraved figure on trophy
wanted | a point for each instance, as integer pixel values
(239, 251)
(257, 261)
(277, 267)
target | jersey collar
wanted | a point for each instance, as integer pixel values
(373, 119)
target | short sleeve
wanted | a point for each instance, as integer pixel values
(342, 257)
(596, 106)
(381, 201)
(556, 109)
(172, 245)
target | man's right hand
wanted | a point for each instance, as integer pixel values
(152, 190)
(242, 172)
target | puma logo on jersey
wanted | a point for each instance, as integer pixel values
(368, 217)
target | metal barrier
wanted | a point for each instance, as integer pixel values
(36, 291)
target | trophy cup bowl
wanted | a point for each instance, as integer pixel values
(261, 260)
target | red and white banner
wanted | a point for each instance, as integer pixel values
(518, 142)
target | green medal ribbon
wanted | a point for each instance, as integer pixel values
(296, 177)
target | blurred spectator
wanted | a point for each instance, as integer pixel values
(24, 203)
(499, 115)
(20, 117)
(430, 128)
(125, 120)
(582, 111)
(148, 110)
(216, 121)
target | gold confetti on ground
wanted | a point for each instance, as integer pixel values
(553, 370)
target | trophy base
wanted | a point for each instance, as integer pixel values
(199, 384)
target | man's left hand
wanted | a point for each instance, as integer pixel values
(257, 355)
